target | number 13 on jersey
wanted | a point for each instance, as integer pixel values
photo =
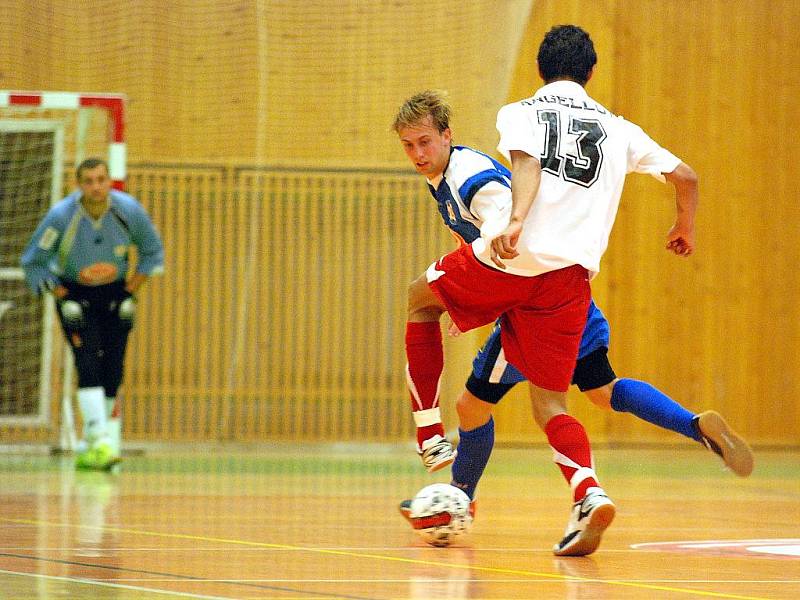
(581, 166)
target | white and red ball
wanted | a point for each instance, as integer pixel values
(440, 513)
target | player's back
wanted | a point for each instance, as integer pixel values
(585, 152)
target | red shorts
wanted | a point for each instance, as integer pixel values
(543, 317)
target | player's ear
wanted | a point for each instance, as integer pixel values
(447, 135)
(589, 77)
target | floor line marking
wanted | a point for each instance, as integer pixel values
(522, 572)
(137, 588)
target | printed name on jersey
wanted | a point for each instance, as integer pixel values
(48, 238)
(565, 101)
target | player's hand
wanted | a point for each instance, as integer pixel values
(680, 240)
(504, 246)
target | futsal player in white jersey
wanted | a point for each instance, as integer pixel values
(80, 253)
(569, 158)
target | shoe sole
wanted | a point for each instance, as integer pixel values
(590, 538)
(442, 464)
(94, 467)
(736, 454)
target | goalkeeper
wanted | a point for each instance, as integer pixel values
(80, 253)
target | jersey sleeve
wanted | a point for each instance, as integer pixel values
(646, 156)
(147, 241)
(517, 132)
(40, 251)
(492, 205)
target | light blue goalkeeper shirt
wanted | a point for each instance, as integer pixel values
(69, 246)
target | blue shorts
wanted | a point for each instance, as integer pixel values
(491, 367)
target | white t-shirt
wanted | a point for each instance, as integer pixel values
(585, 152)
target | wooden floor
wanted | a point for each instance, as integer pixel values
(321, 523)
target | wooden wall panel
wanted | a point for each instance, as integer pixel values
(312, 86)
(274, 81)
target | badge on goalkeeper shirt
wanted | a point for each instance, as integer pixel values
(48, 238)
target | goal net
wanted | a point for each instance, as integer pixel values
(43, 136)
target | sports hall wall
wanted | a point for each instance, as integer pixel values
(259, 139)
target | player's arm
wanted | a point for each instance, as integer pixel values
(35, 259)
(491, 205)
(527, 176)
(149, 248)
(681, 238)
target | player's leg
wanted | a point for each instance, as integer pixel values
(472, 294)
(425, 356)
(595, 377)
(81, 328)
(491, 379)
(592, 511)
(542, 340)
(475, 443)
(118, 323)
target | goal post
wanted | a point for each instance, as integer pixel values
(112, 106)
(43, 137)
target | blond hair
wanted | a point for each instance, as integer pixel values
(430, 103)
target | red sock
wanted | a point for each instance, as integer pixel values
(425, 364)
(573, 453)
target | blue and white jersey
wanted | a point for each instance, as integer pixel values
(69, 246)
(473, 194)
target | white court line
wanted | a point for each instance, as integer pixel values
(118, 585)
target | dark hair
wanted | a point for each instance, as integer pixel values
(566, 52)
(89, 163)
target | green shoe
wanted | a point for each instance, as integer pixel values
(99, 457)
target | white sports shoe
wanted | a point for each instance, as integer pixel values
(590, 518)
(436, 453)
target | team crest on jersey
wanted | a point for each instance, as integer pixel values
(451, 213)
(48, 238)
(120, 250)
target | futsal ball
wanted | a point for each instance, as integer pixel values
(440, 513)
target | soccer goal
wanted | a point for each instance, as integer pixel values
(43, 136)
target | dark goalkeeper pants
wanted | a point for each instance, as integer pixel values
(97, 332)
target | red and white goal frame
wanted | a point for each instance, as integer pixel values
(113, 104)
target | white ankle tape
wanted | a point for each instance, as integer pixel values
(431, 416)
(580, 476)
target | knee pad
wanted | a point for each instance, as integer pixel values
(127, 311)
(72, 314)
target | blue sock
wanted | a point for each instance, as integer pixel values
(474, 449)
(646, 402)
